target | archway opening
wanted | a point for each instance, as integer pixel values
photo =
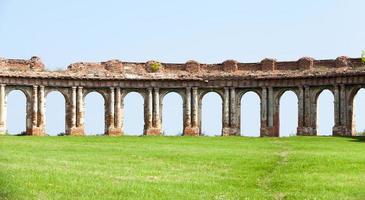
(133, 114)
(325, 113)
(16, 103)
(359, 112)
(55, 114)
(94, 114)
(172, 114)
(250, 115)
(288, 114)
(211, 114)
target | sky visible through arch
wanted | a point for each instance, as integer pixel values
(62, 32)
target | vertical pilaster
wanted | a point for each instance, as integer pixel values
(71, 113)
(2, 110)
(233, 113)
(225, 115)
(189, 128)
(77, 111)
(34, 112)
(304, 112)
(343, 126)
(118, 110)
(263, 113)
(156, 109)
(41, 111)
(148, 123)
(110, 128)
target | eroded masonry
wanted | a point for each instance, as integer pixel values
(115, 79)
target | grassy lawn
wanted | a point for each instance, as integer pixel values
(182, 168)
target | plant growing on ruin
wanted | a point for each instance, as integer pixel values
(363, 56)
(155, 66)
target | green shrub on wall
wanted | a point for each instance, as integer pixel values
(363, 56)
(155, 66)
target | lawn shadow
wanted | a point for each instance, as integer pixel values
(355, 138)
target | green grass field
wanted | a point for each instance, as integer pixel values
(182, 168)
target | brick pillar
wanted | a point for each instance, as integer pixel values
(2, 110)
(118, 120)
(187, 111)
(343, 126)
(304, 113)
(71, 113)
(233, 113)
(269, 113)
(153, 113)
(148, 112)
(77, 107)
(33, 111)
(226, 125)
(156, 111)
(110, 127)
(41, 112)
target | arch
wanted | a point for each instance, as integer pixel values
(55, 111)
(358, 116)
(288, 113)
(211, 114)
(133, 105)
(325, 112)
(250, 117)
(172, 114)
(94, 103)
(16, 111)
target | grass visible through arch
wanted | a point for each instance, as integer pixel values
(182, 168)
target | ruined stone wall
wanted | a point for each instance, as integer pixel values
(114, 79)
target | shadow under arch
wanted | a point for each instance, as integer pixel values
(133, 105)
(172, 114)
(214, 115)
(250, 105)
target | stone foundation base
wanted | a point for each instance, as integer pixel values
(341, 131)
(191, 131)
(152, 131)
(76, 131)
(267, 132)
(2, 130)
(230, 131)
(114, 132)
(306, 131)
(35, 131)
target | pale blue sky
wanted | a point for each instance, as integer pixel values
(62, 32)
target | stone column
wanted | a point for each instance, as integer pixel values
(2, 110)
(156, 110)
(269, 123)
(148, 112)
(71, 113)
(263, 113)
(195, 118)
(110, 115)
(304, 114)
(79, 129)
(342, 126)
(41, 111)
(233, 113)
(118, 111)
(187, 111)
(34, 110)
(226, 127)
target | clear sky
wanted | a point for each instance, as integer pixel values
(62, 32)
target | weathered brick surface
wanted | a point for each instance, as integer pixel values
(114, 79)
